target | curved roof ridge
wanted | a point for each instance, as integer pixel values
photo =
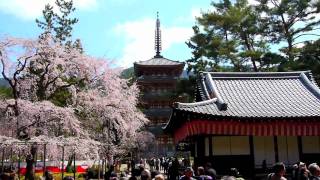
(310, 85)
(201, 103)
(312, 79)
(214, 92)
(204, 88)
(283, 72)
(157, 61)
(292, 74)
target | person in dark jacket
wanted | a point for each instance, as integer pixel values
(279, 171)
(314, 171)
(188, 174)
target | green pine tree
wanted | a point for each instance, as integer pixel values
(289, 20)
(60, 24)
(229, 35)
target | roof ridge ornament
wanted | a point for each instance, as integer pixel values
(201, 103)
(312, 87)
(157, 45)
(213, 93)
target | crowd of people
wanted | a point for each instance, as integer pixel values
(175, 169)
(160, 169)
(302, 172)
(181, 169)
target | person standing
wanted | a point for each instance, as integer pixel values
(157, 162)
(314, 171)
(188, 174)
(279, 171)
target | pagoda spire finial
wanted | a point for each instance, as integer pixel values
(158, 37)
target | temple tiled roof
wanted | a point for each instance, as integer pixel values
(256, 95)
(159, 61)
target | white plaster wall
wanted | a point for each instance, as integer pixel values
(263, 150)
(288, 149)
(230, 145)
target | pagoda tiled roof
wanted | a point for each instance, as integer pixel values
(255, 95)
(159, 61)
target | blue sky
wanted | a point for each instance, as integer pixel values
(120, 30)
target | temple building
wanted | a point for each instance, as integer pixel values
(157, 79)
(250, 120)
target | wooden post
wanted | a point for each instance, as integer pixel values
(105, 165)
(2, 160)
(98, 168)
(276, 150)
(62, 165)
(74, 165)
(102, 165)
(44, 158)
(300, 148)
(11, 154)
(210, 146)
(19, 156)
(35, 161)
(251, 144)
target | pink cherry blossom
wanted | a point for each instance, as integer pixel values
(100, 117)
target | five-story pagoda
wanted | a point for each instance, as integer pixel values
(157, 79)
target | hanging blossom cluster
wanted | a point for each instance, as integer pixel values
(41, 118)
(99, 108)
(111, 104)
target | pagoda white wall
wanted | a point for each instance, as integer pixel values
(222, 149)
(230, 145)
(288, 149)
(263, 147)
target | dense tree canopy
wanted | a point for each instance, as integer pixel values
(309, 59)
(288, 21)
(60, 24)
(231, 34)
(99, 111)
(265, 35)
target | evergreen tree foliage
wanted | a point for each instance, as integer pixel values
(230, 34)
(288, 21)
(240, 35)
(309, 59)
(60, 24)
(186, 88)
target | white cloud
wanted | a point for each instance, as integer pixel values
(139, 39)
(31, 9)
(195, 12)
(256, 3)
(253, 2)
(85, 4)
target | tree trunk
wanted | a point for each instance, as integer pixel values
(245, 37)
(255, 68)
(290, 49)
(289, 37)
(30, 159)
